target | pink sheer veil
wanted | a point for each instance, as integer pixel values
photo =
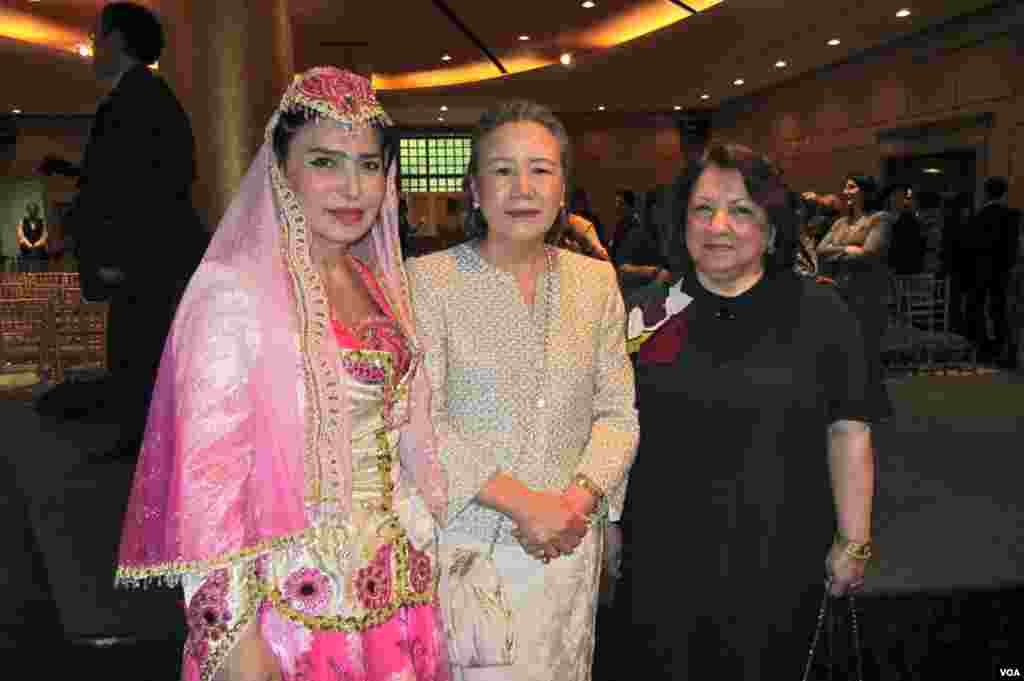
(247, 442)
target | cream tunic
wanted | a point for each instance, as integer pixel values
(501, 401)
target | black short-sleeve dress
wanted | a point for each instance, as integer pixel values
(729, 512)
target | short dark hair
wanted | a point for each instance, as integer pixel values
(140, 28)
(763, 180)
(996, 188)
(291, 121)
(869, 188)
(894, 188)
(516, 111)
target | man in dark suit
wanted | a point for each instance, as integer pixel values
(989, 250)
(137, 236)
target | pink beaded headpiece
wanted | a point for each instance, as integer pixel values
(334, 94)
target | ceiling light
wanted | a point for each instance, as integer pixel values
(677, 107)
(738, 81)
(444, 108)
(446, 57)
(903, 13)
(566, 59)
(932, 171)
(705, 96)
(781, 64)
(15, 111)
(834, 42)
(601, 108)
(588, 4)
(524, 37)
(440, 119)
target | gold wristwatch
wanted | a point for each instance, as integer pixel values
(855, 550)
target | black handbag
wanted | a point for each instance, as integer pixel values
(836, 652)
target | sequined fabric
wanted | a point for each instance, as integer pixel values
(317, 600)
(488, 374)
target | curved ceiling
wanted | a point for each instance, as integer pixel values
(628, 55)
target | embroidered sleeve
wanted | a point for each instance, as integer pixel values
(615, 430)
(469, 461)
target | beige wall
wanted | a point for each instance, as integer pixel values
(38, 138)
(621, 151)
(925, 95)
(925, 99)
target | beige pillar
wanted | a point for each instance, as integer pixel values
(229, 61)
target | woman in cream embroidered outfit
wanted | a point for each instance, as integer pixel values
(532, 405)
(288, 477)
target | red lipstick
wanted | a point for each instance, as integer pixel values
(348, 216)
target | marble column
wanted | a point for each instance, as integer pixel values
(229, 61)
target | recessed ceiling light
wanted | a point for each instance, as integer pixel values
(15, 111)
(441, 119)
(834, 42)
(738, 81)
(601, 108)
(781, 64)
(524, 37)
(446, 57)
(588, 4)
(903, 13)
(932, 171)
(705, 96)
(444, 108)
(566, 59)
(677, 107)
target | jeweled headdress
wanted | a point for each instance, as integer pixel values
(335, 94)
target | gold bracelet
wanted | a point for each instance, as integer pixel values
(855, 550)
(581, 480)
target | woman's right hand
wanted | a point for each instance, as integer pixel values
(546, 520)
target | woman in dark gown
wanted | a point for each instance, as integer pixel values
(755, 472)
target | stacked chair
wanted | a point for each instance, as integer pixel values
(46, 328)
(919, 336)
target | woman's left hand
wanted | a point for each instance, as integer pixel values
(845, 573)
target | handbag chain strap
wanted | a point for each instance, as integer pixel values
(826, 601)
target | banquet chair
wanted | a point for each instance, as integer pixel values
(26, 335)
(924, 305)
(79, 332)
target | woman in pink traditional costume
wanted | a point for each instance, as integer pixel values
(288, 479)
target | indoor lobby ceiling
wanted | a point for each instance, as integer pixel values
(627, 55)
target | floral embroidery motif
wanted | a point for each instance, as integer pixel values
(308, 590)
(420, 572)
(373, 582)
(208, 615)
(364, 368)
(644, 321)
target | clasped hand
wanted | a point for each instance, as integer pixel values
(549, 527)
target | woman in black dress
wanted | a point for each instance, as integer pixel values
(755, 459)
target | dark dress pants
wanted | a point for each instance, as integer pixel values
(136, 332)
